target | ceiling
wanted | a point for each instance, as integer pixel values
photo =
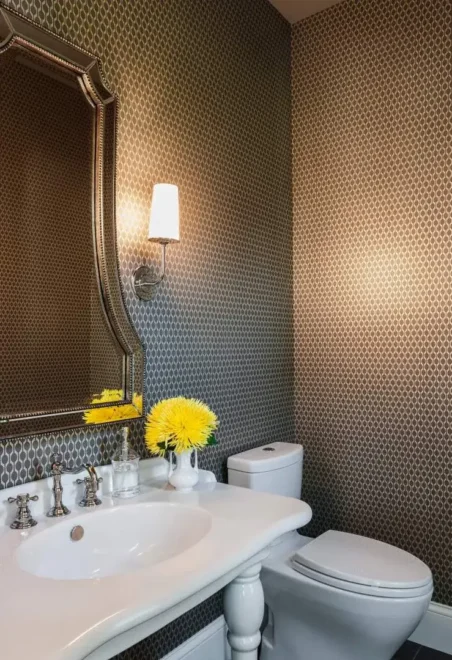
(295, 10)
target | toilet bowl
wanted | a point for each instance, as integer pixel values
(313, 615)
(337, 597)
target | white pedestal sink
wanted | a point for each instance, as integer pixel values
(115, 541)
(140, 564)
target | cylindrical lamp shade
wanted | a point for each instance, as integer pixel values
(164, 220)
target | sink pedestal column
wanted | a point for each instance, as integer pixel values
(244, 611)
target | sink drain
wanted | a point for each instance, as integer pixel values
(77, 533)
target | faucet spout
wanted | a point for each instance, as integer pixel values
(58, 468)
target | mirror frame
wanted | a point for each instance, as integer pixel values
(15, 29)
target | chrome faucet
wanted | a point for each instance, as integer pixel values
(91, 482)
(58, 468)
(24, 519)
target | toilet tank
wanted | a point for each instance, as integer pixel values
(273, 468)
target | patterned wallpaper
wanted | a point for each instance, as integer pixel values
(220, 327)
(372, 131)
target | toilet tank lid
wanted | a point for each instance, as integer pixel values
(360, 560)
(273, 456)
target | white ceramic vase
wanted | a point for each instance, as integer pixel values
(184, 476)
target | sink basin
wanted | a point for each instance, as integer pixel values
(115, 541)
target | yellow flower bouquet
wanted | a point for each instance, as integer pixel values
(180, 426)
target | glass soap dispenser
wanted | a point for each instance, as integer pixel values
(126, 470)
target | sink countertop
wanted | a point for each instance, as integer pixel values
(47, 619)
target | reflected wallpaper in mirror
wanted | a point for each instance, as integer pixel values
(66, 344)
(57, 336)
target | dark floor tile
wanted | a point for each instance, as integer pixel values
(407, 652)
(431, 654)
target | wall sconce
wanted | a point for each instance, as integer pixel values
(163, 229)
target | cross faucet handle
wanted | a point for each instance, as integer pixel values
(24, 519)
(23, 499)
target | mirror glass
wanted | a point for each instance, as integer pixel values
(60, 352)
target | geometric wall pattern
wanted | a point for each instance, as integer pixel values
(372, 173)
(220, 326)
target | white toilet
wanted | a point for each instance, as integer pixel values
(336, 597)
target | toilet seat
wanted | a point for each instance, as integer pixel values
(362, 565)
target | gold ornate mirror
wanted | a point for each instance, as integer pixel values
(68, 353)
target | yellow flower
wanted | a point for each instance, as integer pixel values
(180, 424)
(113, 413)
(137, 400)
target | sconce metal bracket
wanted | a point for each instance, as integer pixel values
(144, 282)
